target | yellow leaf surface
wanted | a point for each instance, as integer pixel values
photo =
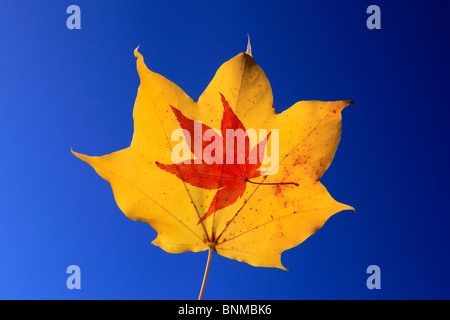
(267, 218)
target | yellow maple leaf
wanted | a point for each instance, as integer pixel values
(261, 213)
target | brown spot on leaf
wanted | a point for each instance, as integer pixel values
(301, 160)
(277, 190)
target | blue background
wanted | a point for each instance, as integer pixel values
(63, 88)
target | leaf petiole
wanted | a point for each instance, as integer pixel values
(205, 276)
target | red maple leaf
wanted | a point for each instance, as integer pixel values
(230, 171)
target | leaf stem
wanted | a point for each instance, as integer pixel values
(205, 276)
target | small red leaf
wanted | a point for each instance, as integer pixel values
(231, 172)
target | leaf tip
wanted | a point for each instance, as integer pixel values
(284, 269)
(348, 102)
(349, 208)
(78, 155)
(342, 104)
(137, 54)
(73, 152)
(249, 47)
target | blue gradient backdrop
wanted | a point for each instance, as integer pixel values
(63, 88)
